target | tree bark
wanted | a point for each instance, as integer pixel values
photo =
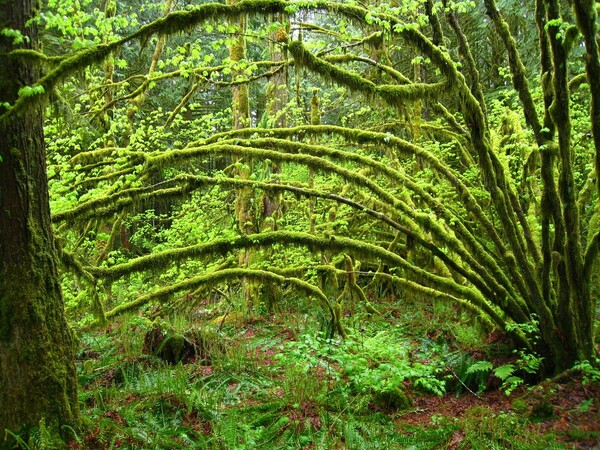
(37, 371)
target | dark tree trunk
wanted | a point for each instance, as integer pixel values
(37, 371)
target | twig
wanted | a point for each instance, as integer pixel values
(461, 382)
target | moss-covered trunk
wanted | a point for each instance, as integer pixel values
(237, 53)
(240, 107)
(37, 371)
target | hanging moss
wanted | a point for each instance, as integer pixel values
(480, 252)
(330, 72)
(351, 57)
(110, 204)
(221, 246)
(394, 95)
(217, 277)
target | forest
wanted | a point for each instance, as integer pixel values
(312, 224)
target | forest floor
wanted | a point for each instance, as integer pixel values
(573, 413)
(271, 382)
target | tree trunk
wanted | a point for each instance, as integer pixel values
(37, 372)
(244, 204)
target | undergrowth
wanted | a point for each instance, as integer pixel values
(275, 381)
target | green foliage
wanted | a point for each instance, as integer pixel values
(509, 381)
(16, 35)
(77, 24)
(430, 181)
(266, 390)
(376, 364)
(41, 437)
(405, 178)
(591, 372)
(29, 91)
(480, 366)
(445, 182)
(485, 429)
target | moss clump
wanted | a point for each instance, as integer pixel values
(519, 406)
(175, 347)
(392, 400)
(541, 410)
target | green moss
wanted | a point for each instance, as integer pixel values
(392, 400)
(37, 370)
(330, 72)
(593, 248)
(587, 18)
(34, 55)
(315, 111)
(214, 278)
(108, 205)
(518, 308)
(394, 95)
(39, 342)
(467, 56)
(337, 244)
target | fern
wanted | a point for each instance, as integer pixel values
(509, 381)
(427, 438)
(591, 374)
(18, 439)
(504, 371)
(43, 437)
(480, 366)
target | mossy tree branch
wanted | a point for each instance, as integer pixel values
(474, 208)
(518, 71)
(550, 200)
(491, 168)
(465, 52)
(358, 248)
(425, 220)
(214, 278)
(124, 199)
(392, 94)
(574, 300)
(587, 21)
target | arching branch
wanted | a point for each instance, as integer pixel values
(214, 278)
